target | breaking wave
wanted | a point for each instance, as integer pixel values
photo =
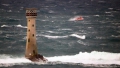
(94, 58)
(78, 36)
(54, 37)
(9, 60)
(66, 36)
(74, 18)
(20, 26)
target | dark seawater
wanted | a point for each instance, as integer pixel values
(91, 43)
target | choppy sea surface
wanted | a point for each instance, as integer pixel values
(91, 43)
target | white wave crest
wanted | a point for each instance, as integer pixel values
(65, 29)
(6, 4)
(72, 19)
(20, 26)
(53, 32)
(55, 37)
(14, 26)
(78, 36)
(75, 18)
(97, 15)
(94, 57)
(5, 26)
(66, 36)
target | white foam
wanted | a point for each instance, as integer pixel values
(78, 36)
(20, 26)
(110, 8)
(54, 37)
(8, 60)
(6, 4)
(9, 11)
(101, 1)
(52, 32)
(107, 12)
(65, 29)
(4, 26)
(11, 59)
(51, 11)
(74, 18)
(44, 20)
(97, 15)
(81, 42)
(66, 36)
(14, 26)
(14, 60)
(118, 36)
(94, 57)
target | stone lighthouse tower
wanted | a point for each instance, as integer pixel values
(31, 52)
(31, 47)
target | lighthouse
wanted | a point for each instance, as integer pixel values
(31, 51)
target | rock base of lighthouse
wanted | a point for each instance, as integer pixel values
(37, 58)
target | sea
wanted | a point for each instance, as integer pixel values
(93, 42)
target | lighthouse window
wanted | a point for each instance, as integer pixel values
(29, 40)
(33, 35)
(33, 25)
(29, 30)
(29, 20)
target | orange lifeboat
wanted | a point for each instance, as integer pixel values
(79, 18)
